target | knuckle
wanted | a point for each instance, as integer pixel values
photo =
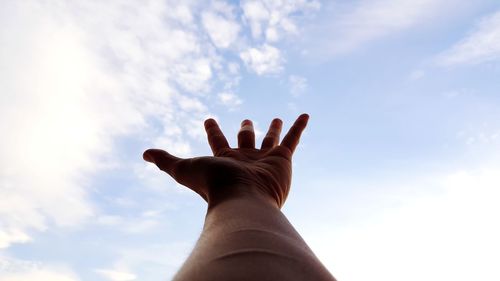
(213, 131)
(282, 151)
(224, 152)
(269, 141)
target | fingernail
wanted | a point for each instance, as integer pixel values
(277, 120)
(246, 122)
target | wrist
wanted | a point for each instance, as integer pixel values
(241, 193)
(243, 213)
(249, 215)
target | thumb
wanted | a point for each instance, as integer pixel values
(162, 159)
(178, 168)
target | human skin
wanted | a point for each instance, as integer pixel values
(245, 235)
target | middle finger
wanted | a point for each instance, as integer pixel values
(246, 135)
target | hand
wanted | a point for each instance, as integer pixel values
(235, 172)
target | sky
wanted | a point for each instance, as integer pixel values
(397, 176)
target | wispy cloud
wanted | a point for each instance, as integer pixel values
(482, 44)
(265, 59)
(230, 100)
(42, 275)
(272, 20)
(115, 275)
(17, 270)
(73, 78)
(269, 22)
(77, 76)
(298, 85)
(354, 25)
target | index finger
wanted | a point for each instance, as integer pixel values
(291, 140)
(216, 138)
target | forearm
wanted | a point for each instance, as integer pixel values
(249, 238)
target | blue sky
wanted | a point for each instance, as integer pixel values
(396, 176)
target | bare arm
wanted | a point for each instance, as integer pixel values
(245, 236)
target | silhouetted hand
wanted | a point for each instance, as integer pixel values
(233, 172)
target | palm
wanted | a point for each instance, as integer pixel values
(232, 172)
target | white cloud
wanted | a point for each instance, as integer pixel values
(193, 75)
(452, 225)
(298, 85)
(274, 19)
(256, 13)
(222, 31)
(49, 132)
(8, 237)
(39, 275)
(115, 275)
(481, 45)
(11, 265)
(221, 25)
(75, 76)
(20, 270)
(230, 100)
(263, 60)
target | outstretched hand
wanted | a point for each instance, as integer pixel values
(263, 173)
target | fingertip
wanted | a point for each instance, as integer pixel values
(246, 135)
(302, 120)
(304, 116)
(209, 123)
(246, 122)
(277, 125)
(147, 156)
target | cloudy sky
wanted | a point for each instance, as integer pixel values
(397, 176)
